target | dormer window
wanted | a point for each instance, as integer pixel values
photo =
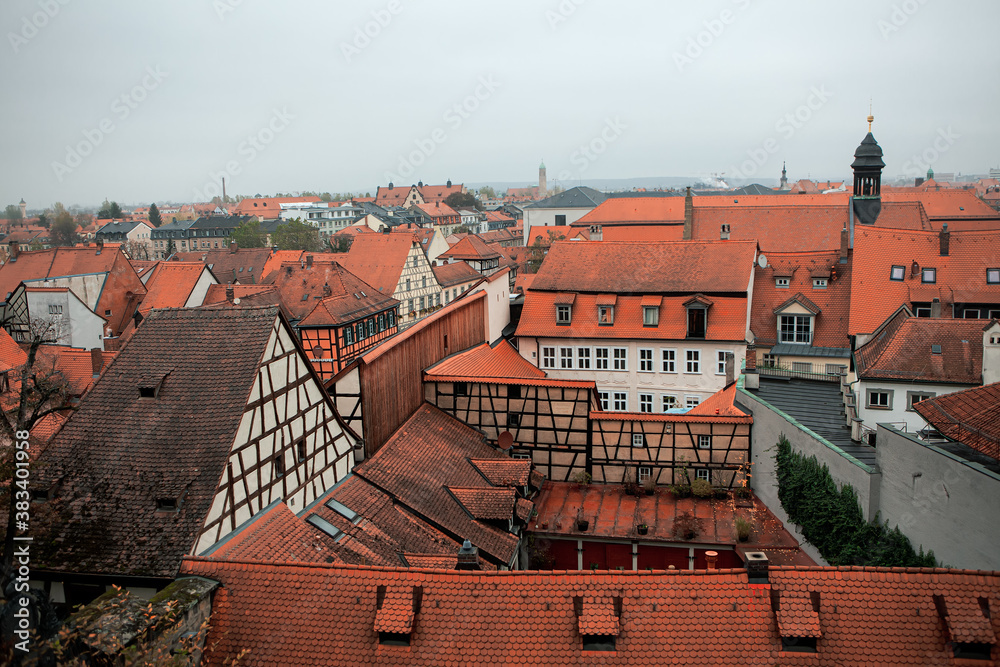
(819, 283)
(166, 504)
(564, 315)
(782, 283)
(149, 386)
(696, 322)
(897, 273)
(606, 315)
(795, 329)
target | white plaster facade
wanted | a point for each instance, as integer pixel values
(76, 325)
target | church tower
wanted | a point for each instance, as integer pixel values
(543, 187)
(867, 166)
(24, 210)
(784, 177)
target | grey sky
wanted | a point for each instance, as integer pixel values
(551, 77)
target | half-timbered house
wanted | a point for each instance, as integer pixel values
(206, 417)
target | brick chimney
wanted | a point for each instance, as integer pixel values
(100, 247)
(309, 261)
(230, 293)
(710, 559)
(945, 239)
(327, 291)
(688, 215)
(844, 244)
(757, 565)
(468, 557)
(14, 250)
(936, 308)
(96, 361)
(233, 246)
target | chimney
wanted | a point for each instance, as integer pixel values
(730, 368)
(100, 247)
(468, 557)
(309, 261)
(233, 246)
(756, 567)
(724, 234)
(710, 557)
(918, 181)
(688, 215)
(230, 293)
(844, 244)
(96, 361)
(936, 308)
(945, 239)
(14, 251)
(326, 290)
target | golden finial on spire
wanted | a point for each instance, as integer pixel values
(870, 116)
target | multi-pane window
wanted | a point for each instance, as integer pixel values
(879, 399)
(720, 368)
(605, 315)
(601, 358)
(620, 401)
(583, 358)
(692, 401)
(914, 397)
(669, 402)
(621, 358)
(565, 357)
(795, 329)
(645, 402)
(548, 357)
(704, 442)
(638, 440)
(563, 315)
(668, 361)
(770, 361)
(782, 282)
(696, 322)
(646, 360)
(819, 283)
(348, 335)
(603, 397)
(692, 361)
(704, 474)
(645, 473)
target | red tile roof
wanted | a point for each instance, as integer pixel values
(902, 351)
(171, 286)
(245, 265)
(276, 535)
(54, 263)
(268, 207)
(486, 504)
(722, 403)
(659, 268)
(876, 616)
(971, 417)
(326, 293)
(485, 361)
(456, 273)
(726, 319)
(944, 204)
(438, 193)
(544, 236)
(117, 455)
(75, 364)
(504, 472)
(470, 248)
(437, 209)
(961, 276)
(277, 258)
(830, 326)
(11, 354)
(378, 259)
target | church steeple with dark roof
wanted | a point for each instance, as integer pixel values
(867, 168)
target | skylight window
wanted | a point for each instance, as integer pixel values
(897, 273)
(325, 526)
(993, 276)
(928, 275)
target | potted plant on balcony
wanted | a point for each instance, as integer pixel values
(582, 523)
(642, 528)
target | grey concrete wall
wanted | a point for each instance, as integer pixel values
(769, 424)
(940, 501)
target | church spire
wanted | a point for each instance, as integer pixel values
(867, 166)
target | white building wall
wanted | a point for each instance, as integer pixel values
(497, 304)
(546, 217)
(898, 414)
(200, 290)
(76, 325)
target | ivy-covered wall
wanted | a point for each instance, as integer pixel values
(831, 519)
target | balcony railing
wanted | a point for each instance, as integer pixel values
(789, 371)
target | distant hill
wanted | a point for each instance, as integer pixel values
(613, 184)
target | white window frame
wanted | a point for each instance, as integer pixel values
(619, 358)
(703, 473)
(782, 283)
(872, 406)
(645, 402)
(692, 401)
(650, 316)
(564, 314)
(645, 364)
(619, 398)
(720, 361)
(692, 362)
(819, 283)
(704, 441)
(668, 360)
(583, 358)
(645, 473)
(638, 440)
(923, 395)
(548, 357)
(663, 402)
(795, 333)
(605, 316)
(604, 397)
(566, 360)
(602, 358)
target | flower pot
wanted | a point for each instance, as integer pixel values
(642, 530)
(582, 524)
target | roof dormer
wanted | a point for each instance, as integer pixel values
(397, 607)
(697, 315)
(598, 621)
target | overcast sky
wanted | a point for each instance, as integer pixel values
(143, 101)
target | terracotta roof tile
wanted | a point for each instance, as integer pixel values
(485, 361)
(971, 417)
(267, 207)
(722, 403)
(455, 273)
(797, 617)
(598, 616)
(11, 354)
(504, 472)
(245, 265)
(396, 612)
(905, 351)
(276, 535)
(470, 248)
(945, 204)
(324, 293)
(171, 286)
(486, 504)
(379, 259)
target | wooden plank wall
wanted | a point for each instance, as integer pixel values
(392, 375)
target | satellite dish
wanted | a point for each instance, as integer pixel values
(505, 440)
(236, 301)
(762, 261)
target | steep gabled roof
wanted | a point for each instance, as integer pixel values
(436, 209)
(276, 535)
(641, 268)
(119, 453)
(55, 263)
(378, 259)
(924, 349)
(171, 286)
(578, 197)
(971, 417)
(246, 265)
(350, 299)
(456, 273)
(471, 248)
(722, 403)
(485, 361)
